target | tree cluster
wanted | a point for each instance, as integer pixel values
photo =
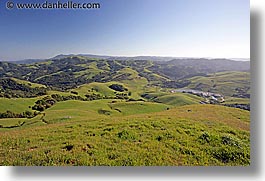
(11, 89)
(118, 87)
(10, 114)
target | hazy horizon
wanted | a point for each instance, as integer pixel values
(85, 54)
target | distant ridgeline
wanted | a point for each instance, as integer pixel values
(70, 72)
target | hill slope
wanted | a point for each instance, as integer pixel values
(227, 83)
(189, 135)
(69, 72)
(79, 110)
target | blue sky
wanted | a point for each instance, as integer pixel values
(180, 28)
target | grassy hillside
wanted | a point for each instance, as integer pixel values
(73, 110)
(234, 100)
(174, 99)
(28, 83)
(77, 110)
(224, 83)
(72, 71)
(188, 135)
(95, 87)
(135, 83)
(90, 111)
(17, 105)
(135, 86)
(131, 108)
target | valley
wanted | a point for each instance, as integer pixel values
(79, 110)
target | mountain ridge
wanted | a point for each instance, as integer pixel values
(69, 72)
(108, 57)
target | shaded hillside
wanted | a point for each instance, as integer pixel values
(11, 88)
(185, 68)
(70, 72)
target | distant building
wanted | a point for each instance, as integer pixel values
(209, 96)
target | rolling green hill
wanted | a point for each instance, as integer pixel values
(15, 88)
(188, 135)
(174, 99)
(78, 110)
(132, 108)
(95, 87)
(28, 83)
(17, 105)
(72, 71)
(226, 83)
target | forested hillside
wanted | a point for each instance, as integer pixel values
(69, 72)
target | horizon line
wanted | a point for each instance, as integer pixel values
(120, 56)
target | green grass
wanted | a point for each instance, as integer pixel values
(16, 105)
(77, 110)
(48, 62)
(27, 83)
(188, 135)
(171, 129)
(167, 129)
(225, 82)
(234, 100)
(130, 108)
(87, 110)
(135, 86)
(59, 92)
(135, 83)
(178, 99)
(91, 70)
(130, 71)
(48, 75)
(174, 99)
(11, 121)
(20, 123)
(96, 87)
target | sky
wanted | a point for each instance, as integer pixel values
(176, 28)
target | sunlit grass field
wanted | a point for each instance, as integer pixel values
(17, 105)
(223, 82)
(82, 135)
